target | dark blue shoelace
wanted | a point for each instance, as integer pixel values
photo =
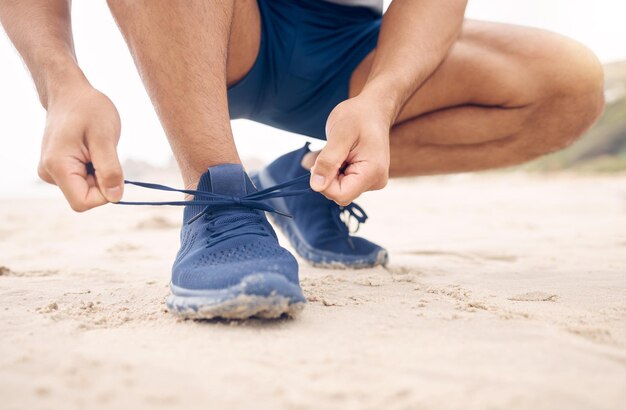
(220, 222)
(253, 200)
(223, 227)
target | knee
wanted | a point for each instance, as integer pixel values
(576, 81)
(571, 90)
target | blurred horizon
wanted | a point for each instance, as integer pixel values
(104, 57)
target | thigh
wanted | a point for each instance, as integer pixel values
(491, 64)
(245, 39)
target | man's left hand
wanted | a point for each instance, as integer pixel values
(356, 156)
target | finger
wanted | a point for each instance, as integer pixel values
(79, 189)
(347, 187)
(108, 171)
(331, 158)
(44, 175)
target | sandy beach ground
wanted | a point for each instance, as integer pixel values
(505, 291)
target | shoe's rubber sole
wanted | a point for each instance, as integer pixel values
(316, 257)
(266, 296)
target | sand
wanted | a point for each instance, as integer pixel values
(504, 291)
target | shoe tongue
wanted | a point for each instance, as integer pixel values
(226, 179)
(298, 170)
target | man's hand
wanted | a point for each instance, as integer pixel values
(356, 157)
(82, 127)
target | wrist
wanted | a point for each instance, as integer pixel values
(60, 78)
(386, 96)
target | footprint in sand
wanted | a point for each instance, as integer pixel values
(5, 271)
(595, 334)
(157, 222)
(402, 273)
(472, 256)
(535, 297)
(400, 269)
(4, 234)
(123, 247)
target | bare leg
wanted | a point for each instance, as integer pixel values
(186, 53)
(503, 96)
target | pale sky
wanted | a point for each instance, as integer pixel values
(105, 59)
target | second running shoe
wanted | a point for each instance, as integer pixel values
(319, 228)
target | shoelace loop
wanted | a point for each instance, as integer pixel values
(351, 212)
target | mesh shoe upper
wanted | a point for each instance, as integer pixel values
(222, 244)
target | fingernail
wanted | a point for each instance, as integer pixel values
(318, 180)
(114, 194)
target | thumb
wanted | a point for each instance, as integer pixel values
(107, 168)
(330, 160)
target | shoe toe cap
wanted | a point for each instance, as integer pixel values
(225, 268)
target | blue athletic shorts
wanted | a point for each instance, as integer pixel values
(308, 51)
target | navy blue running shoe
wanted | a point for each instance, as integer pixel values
(230, 264)
(319, 228)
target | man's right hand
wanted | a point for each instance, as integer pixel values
(82, 127)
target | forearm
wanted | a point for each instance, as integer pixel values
(41, 32)
(415, 37)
